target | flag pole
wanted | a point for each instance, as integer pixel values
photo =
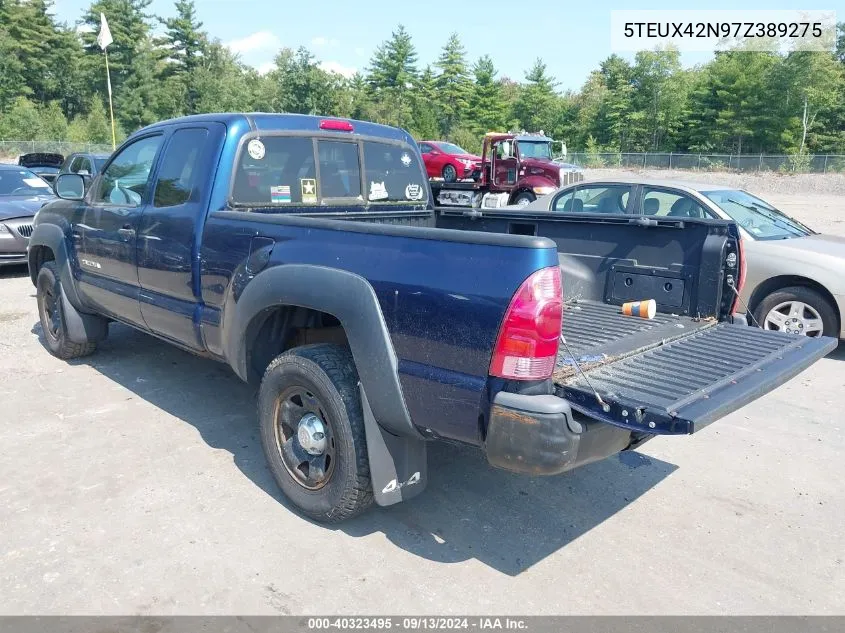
(111, 107)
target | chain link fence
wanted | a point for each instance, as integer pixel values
(784, 163)
(10, 150)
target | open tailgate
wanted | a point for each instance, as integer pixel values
(690, 381)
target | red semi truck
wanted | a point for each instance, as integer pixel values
(516, 168)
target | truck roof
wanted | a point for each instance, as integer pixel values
(539, 138)
(499, 136)
(274, 121)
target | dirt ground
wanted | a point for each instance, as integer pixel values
(133, 482)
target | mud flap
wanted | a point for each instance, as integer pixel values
(82, 328)
(398, 465)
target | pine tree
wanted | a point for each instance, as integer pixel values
(185, 42)
(394, 64)
(488, 109)
(534, 107)
(425, 117)
(392, 78)
(453, 84)
(12, 69)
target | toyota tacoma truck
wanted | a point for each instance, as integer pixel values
(306, 253)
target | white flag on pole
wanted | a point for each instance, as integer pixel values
(104, 38)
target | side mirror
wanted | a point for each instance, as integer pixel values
(70, 187)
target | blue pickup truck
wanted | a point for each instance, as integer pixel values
(306, 253)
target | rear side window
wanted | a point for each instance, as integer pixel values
(393, 174)
(177, 176)
(277, 171)
(670, 204)
(82, 166)
(611, 199)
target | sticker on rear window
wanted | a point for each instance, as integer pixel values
(309, 190)
(280, 194)
(35, 182)
(378, 191)
(413, 192)
(406, 160)
(256, 149)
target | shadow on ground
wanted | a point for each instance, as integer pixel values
(14, 271)
(838, 353)
(469, 511)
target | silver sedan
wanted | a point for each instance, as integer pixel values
(22, 193)
(796, 277)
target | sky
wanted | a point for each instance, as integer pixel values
(571, 38)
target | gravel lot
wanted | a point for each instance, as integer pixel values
(133, 482)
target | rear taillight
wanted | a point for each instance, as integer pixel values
(741, 277)
(528, 339)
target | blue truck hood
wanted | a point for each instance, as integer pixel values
(22, 206)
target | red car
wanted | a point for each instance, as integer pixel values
(449, 162)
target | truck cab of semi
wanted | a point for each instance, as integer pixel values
(517, 168)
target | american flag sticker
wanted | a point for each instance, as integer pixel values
(280, 194)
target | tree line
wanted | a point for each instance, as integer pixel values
(53, 87)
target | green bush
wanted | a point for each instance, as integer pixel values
(798, 163)
(592, 157)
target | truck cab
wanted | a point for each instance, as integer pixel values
(516, 168)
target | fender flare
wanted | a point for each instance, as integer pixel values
(52, 237)
(82, 326)
(348, 297)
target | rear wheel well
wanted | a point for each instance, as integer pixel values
(785, 281)
(37, 256)
(283, 327)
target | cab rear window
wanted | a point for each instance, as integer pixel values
(295, 171)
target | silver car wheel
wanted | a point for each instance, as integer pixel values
(794, 317)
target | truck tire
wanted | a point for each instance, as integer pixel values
(312, 432)
(50, 312)
(797, 310)
(523, 198)
(450, 174)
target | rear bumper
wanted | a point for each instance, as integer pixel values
(538, 435)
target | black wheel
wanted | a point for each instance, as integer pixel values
(51, 314)
(523, 198)
(798, 310)
(450, 174)
(312, 431)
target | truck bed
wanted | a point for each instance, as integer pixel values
(672, 374)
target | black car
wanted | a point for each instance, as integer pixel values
(84, 164)
(45, 164)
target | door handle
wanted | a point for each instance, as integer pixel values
(126, 233)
